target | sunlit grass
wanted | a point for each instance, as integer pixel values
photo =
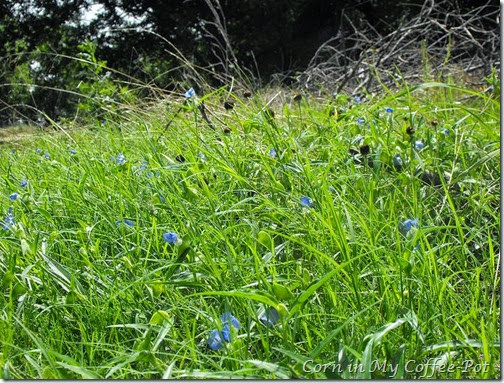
(87, 296)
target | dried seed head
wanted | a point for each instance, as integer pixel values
(410, 130)
(364, 150)
(228, 105)
(227, 130)
(247, 94)
(298, 97)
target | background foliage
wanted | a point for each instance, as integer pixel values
(40, 41)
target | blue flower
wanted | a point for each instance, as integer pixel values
(202, 157)
(272, 153)
(8, 220)
(24, 183)
(389, 110)
(446, 131)
(47, 155)
(217, 338)
(416, 248)
(305, 201)
(357, 99)
(13, 196)
(161, 199)
(360, 120)
(142, 167)
(13, 151)
(335, 94)
(407, 225)
(332, 189)
(73, 151)
(215, 341)
(190, 93)
(270, 317)
(120, 159)
(228, 318)
(127, 222)
(171, 238)
(397, 161)
(419, 145)
(38, 151)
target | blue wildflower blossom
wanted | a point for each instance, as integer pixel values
(13, 151)
(215, 341)
(24, 183)
(120, 159)
(272, 153)
(408, 225)
(217, 338)
(419, 145)
(357, 99)
(446, 131)
(226, 332)
(8, 220)
(398, 162)
(38, 151)
(13, 196)
(389, 110)
(270, 317)
(332, 189)
(416, 248)
(335, 94)
(47, 155)
(171, 238)
(127, 222)
(73, 151)
(227, 318)
(142, 167)
(190, 93)
(305, 201)
(360, 120)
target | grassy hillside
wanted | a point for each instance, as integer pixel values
(360, 234)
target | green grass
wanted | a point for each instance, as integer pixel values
(82, 297)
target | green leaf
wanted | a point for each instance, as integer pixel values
(19, 289)
(7, 279)
(71, 297)
(282, 292)
(264, 239)
(159, 317)
(375, 339)
(25, 247)
(83, 372)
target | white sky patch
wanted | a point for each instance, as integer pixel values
(90, 14)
